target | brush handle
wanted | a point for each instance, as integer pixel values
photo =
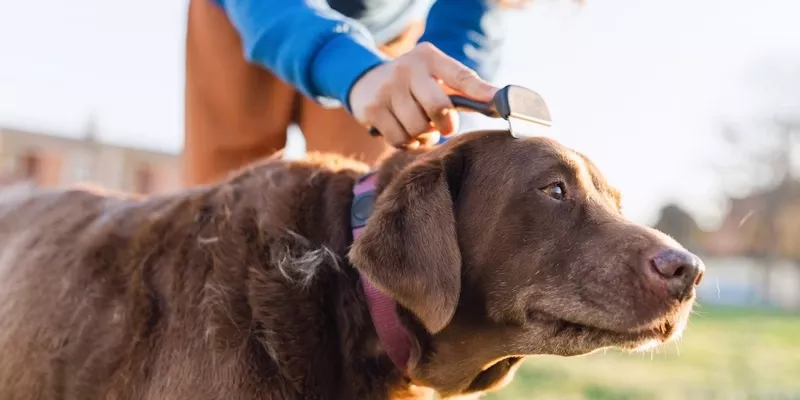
(461, 103)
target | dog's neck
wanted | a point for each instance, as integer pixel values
(327, 183)
(328, 188)
(395, 337)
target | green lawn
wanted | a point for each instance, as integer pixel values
(724, 354)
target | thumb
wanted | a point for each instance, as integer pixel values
(461, 78)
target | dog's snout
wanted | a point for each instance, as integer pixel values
(678, 270)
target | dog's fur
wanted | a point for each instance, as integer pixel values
(249, 289)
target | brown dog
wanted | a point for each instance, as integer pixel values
(494, 248)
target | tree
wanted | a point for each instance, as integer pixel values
(678, 223)
(763, 158)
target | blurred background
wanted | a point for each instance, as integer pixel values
(690, 107)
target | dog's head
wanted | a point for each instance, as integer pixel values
(502, 248)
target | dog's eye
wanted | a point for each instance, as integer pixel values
(556, 191)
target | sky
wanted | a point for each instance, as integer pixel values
(642, 87)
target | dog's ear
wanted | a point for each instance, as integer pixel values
(409, 249)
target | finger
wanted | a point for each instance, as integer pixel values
(413, 145)
(410, 114)
(390, 128)
(456, 75)
(428, 139)
(454, 120)
(434, 101)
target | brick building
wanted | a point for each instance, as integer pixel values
(761, 224)
(49, 160)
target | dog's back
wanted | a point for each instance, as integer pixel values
(90, 293)
(42, 293)
(85, 279)
(107, 296)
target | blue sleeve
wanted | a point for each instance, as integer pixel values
(471, 31)
(305, 43)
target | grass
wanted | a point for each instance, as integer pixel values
(725, 353)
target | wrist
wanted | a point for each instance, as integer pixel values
(343, 61)
(348, 104)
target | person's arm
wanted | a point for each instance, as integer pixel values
(305, 43)
(471, 31)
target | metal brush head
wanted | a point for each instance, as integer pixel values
(525, 110)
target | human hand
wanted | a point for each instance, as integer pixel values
(406, 99)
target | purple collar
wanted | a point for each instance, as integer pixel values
(382, 308)
(393, 335)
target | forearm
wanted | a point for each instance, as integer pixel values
(471, 31)
(305, 43)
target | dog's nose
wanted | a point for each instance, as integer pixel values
(679, 270)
